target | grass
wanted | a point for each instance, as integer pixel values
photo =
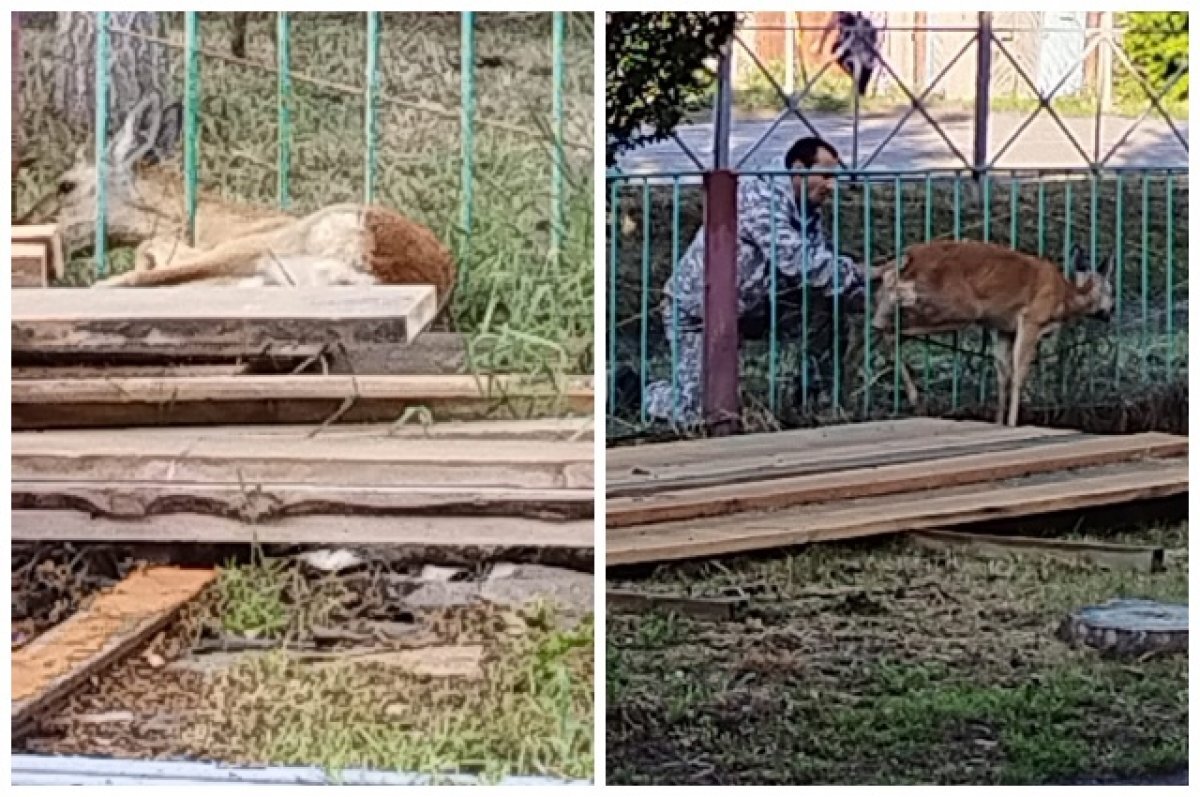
(521, 302)
(880, 663)
(1144, 349)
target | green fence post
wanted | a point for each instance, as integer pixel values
(867, 375)
(772, 333)
(837, 305)
(1145, 276)
(101, 247)
(284, 56)
(956, 377)
(557, 230)
(643, 326)
(899, 247)
(1119, 268)
(371, 115)
(191, 120)
(674, 299)
(468, 123)
(614, 243)
(1170, 188)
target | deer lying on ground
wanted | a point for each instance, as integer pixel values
(948, 286)
(236, 243)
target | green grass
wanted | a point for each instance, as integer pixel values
(880, 663)
(524, 305)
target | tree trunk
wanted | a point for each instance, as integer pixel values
(136, 66)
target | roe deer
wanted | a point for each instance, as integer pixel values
(236, 243)
(947, 286)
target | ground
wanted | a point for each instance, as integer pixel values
(515, 298)
(878, 662)
(387, 667)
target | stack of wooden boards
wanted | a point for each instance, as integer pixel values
(712, 497)
(114, 439)
(37, 255)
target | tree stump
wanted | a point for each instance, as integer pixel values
(1129, 628)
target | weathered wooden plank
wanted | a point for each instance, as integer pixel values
(993, 546)
(782, 464)
(217, 321)
(265, 502)
(47, 236)
(87, 371)
(30, 265)
(937, 508)
(447, 531)
(112, 626)
(273, 398)
(948, 471)
(711, 609)
(144, 455)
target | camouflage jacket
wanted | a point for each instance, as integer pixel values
(802, 252)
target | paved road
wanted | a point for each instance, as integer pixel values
(918, 146)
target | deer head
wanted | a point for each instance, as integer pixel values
(1093, 284)
(148, 136)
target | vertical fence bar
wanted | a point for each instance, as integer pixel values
(467, 123)
(1119, 268)
(867, 376)
(837, 304)
(674, 299)
(720, 366)
(371, 116)
(284, 56)
(101, 251)
(644, 309)
(1170, 189)
(1093, 246)
(191, 120)
(772, 342)
(983, 90)
(614, 244)
(1145, 275)
(956, 379)
(899, 248)
(1041, 214)
(558, 79)
(985, 190)
(805, 265)
(927, 358)
(1068, 209)
(15, 93)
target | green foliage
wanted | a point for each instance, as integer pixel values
(1157, 43)
(655, 71)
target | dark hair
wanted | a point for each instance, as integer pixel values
(805, 151)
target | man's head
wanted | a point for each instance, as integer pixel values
(812, 153)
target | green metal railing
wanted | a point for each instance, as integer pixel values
(373, 97)
(871, 217)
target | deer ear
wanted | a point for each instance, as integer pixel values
(137, 135)
(1105, 268)
(1079, 263)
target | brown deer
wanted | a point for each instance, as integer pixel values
(948, 286)
(236, 243)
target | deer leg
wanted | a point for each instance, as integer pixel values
(236, 259)
(1026, 346)
(1004, 372)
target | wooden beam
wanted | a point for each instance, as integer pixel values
(216, 321)
(889, 479)
(443, 531)
(307, 398)
(933, 509)
(261, 503)
(993, 546)
(299, 458)
(111, 627)
(47, 236)
(710, 609)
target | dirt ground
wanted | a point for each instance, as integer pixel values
(879, 663)
(432, 669)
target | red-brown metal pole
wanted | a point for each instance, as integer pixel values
(721, 411)
(15, 119)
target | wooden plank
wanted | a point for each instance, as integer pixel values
(30, 265)
(260, 503)
(548, 429)
(271, 398)
(138, 455)
(784, 464)
(754, 531)
(111, 627)
(992, 546)
(49, 236)
(951, 471)
(217, 321)
(710, 609)
(446, 531)
(86, 371)
(437, 352)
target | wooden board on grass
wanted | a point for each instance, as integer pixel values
(216, 321)
(110, 627)
(750, 531)
(1057, 453)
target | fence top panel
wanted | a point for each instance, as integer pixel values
(917, 146)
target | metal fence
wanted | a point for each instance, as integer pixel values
(296, 146)
(805, 359)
